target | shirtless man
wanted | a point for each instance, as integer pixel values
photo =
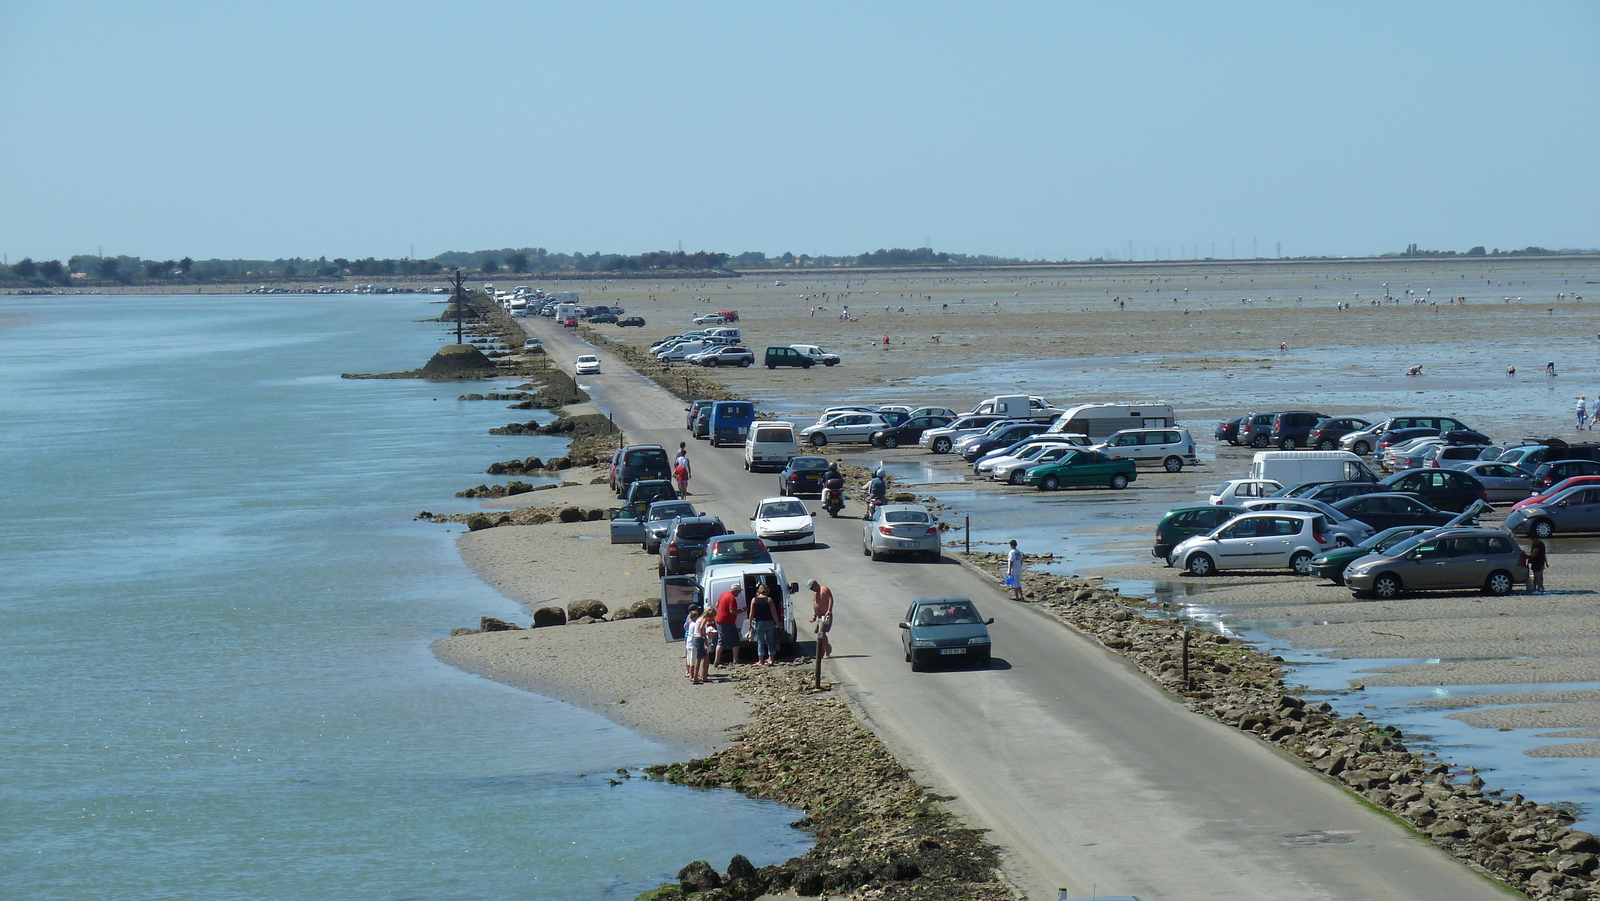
(822, 615)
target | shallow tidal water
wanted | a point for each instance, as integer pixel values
(215, 679)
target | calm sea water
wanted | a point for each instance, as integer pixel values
(215, 613)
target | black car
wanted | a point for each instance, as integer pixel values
(1292, 430)
(1001, 437)
(685, 543)
(1550, 473)
(1256, 429)
(909, 431)
(1326, 434)
(639, 461)
(602, 318)
(1465, 436)
(1400, 436)
(1385, 510)
(631, 322)
(1446, 489)
(1228, 429)
(803, 475)
(1333, 492)
(694, 410)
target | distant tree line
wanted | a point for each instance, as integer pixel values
(1413, 250)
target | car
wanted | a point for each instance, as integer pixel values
(1228, 430)
(1465, 436)
(1279, 539)
(786, 356)
(710, 319)
(1453, 456)
(909, 431)
(605, 318)
(681, 351)
(1365, 441)
(638, 461)
(1236, 491)
(1385, 510)
(1501, 481)
(802, 475)
(1292, 430)
(1330, 564)
(784, 522)
(816, 354)
(1186, 522)
(533, 346)
(702, 422)
(1011, 464)
(1555, 489)
(658, 518)
(694, 410)
(1326, 434)
(934, 411)
(1000, 435)
(1447, 559)
(1255, 430)
(1400, 438)
(1408, 454)
(1171, 449)
(942, 440)
(1082, 467)
(588, 364)
(900, 529)
(945, 628)
(631, 322)
(1553, 471)
(770, 444)
(1446, 489)
(1333, 492)
(844, 428)
(733, 548)
(685, 542)
(1343, 529)
(723, 356)
(1576, 509)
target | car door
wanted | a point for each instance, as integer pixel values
(1579, 511)
(1469, 562)
(1428, 565)
(1377, 512)
(1235, 546)
(1505, 483)
(1277, 541)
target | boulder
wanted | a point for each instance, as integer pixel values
(462, 630)
(477, 522)
(549, 616)
(571, 514)
(643, 610)
(590, 607)
(490, 624)
(698, 877)
(596, 514)
(622, 613)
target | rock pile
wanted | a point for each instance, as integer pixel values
(506, 490)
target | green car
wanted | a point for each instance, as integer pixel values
(1331, 564)
(1187, 522)
(1083, 467)
(733, 549)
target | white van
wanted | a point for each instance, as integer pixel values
(1016, 406)
(1294, 467)
(1100, 421)
(679, 592)
(770, 445)
(727, 332)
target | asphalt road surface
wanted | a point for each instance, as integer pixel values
(1089, 776)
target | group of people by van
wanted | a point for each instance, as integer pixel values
(715, 634)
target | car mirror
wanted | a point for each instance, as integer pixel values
(811, 513)
(905, 625)
(1417, 556)
(752, 518)
(989, 621)
(1561, 503)
(794, 587)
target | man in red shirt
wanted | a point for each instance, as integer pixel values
(728, 623)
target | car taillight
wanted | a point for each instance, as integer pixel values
(885, 530)
(1158, 535)
(933, 530)
(1317, 537)
(672, 548)
(1485, 492)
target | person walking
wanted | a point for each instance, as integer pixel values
(1583, 411)
(727, 620)
(680, 472)
(1538, 559)
(764, 624)
(1014, 571)
(822, 615)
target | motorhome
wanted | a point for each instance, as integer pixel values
(1099, 421)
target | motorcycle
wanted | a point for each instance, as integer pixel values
(874, 501)
(833, 496)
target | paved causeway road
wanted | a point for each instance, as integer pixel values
(1088, 775)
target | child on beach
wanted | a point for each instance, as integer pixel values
(688, 640)
(704, 629)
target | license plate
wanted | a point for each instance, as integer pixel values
(952, 650)
(908, 544)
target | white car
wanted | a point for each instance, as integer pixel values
(830, 412)
(1343, 529)
(843, 428)
(1276, 540)
(710, 319)
(588, 364)
(816, 354)
(1237, 491)
(941, 441)
(1014, 471)
(784, 522)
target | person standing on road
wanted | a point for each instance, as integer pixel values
(1538, 559)
(822, 615)
(764, 624)
(680, 472)
(1014, 571)
(727, 620)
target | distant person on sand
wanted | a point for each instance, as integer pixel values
(1282, 345)
(1538, 559)
(1583, 409)
(1550, 368)
(822, 615)
(1014, 571)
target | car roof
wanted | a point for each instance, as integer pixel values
(942, 599)
(890, 508)
(774, 498)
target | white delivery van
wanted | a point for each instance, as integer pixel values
(1295, 467)
(1100, 421)
(679, 592)
(1016, 406)
(770, 445)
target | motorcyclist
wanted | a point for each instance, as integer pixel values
(878, 488)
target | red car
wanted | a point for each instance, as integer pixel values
(570, 322)
(1557, 488)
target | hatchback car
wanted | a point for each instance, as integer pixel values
(658, 518)
(1228, 430)
(693, 410)
(1186, 522)
(1013, 468)
(1365, 441)
(900, 529)
(1483, 559)
(1326, 434)
(631, 322)
(999, 436)
(1276, 540)
(1556, 489)
(1331, 564)
(1170, 449)
(733, 548)
(1344, 529)
(638, 461)
(1235, 491)
(1385, 510)
(909, 431)
(685, 543)
(784, 522)
(1256, 429)
(1557, 470)
(1573, 510)
(588, 364)
(1292, 430)
(1502, 481)
(946, 628)
(803, 475)
(723, 356)
(1082, 467)
(940, 441)
(1446, 489)
(844, 428)
(533, 346)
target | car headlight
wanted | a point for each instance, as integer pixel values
(1357, 570)
(981, 639)
(922, 643)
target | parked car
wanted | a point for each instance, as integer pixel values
(900, 529)
(1235, 491)
(803, 475)
(1407, 454)
(1483, 559)
(1326, 434)
(1501, 481)
(658, 518)
(723, 356)
(638, 461)
(588, 364)
(1576, 509)
(909, 431)
(1365, 441)
(710, 319)
(1082, 467)
(1387, 509)
(1465, 436)
(1276, 540)
(685, 543)
(1169, 449)
(784, 522)
(1446, 489)
(606, 318)
(1228, 430)
(1330, 564)
(702, 422)
(1555, 489)
(631, 322)
(1395, 437)
(1000, 435)
(770, 444)
(1026, 449)
(733, 548)
(1334, 492)
(1555, 471)
(533, 346)
(1344, 529)
(816, 354)
(933, 411)
(941, 440)
(945, 628)
(843, 428)
(1256, 429)
(1292, 430)
(786, 356)
(1186, 522)
(1453, 456)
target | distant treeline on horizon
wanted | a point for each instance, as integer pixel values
(88, 269)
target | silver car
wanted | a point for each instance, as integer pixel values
(1481, 559)
(1502, 481)
(901, 529)
(1275, 540)
(1345, 530)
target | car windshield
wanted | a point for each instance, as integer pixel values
(905, 516)
(670, 511)
(782, 508)
(1402, 548)
(808, 463)
(956, 614)
(737, 547)
(1380, 542)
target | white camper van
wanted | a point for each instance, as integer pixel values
(1099, 421)
(1294, 467)
(1016, 406)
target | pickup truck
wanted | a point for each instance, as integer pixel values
(678, 593)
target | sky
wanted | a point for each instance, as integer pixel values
(1030, 130)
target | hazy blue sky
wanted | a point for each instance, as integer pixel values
(1036, 130)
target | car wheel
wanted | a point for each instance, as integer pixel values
(982, 662)
(714, 441)
(1301, 563)
(1499, 583)
(819, 440)
(829, 362)
(874, 554)
(1361, 448)
(772, 365)
(916, 665)
(1542, 528)
(1338, 579)
(1387, 586)
(747, 466)
(1119, 481)
(1200, 565)
(941, 445)
(1343, 541)
(890, 441)
(661, 568)
(1260, 441)
(711, 362)
(1049, 483)
(865, 550)
(1172, 464)
(1326, 444)
(1017, 476)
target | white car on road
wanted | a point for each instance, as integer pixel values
(588, 364)
(784, 522)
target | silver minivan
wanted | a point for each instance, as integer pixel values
(1171, 448)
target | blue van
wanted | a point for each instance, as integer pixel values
(730, 421)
